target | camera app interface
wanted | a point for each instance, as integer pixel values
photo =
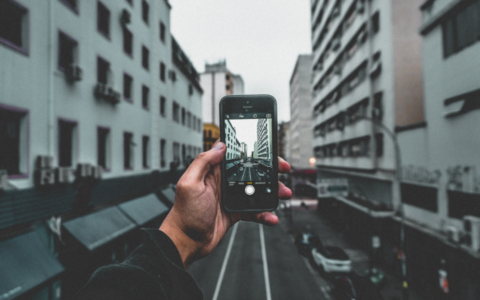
(249, 154)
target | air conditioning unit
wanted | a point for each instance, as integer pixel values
(471, 228)
(454, 234)
(172, 75)
(360, 6)
(125, 17)
(335, 44)
(337, 69)
(3, 179)
(63, 174)
(44, 162)
(74, 73)
(97, 172)
(107, 93)
(376, 68)
(84, 170)
(44, 177)
(336, 12)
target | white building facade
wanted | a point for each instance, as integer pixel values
(234, 148)
(264, 139)
(217, 81)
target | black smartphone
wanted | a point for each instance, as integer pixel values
(248, 127)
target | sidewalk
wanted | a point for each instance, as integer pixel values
(305, 218)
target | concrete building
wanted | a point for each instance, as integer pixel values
(244, 149)
(440, 157)
(217, 81)
(300, 129)
(284, 140)
(92, 112)
(255, 150)
(231, 141)
(264, 139)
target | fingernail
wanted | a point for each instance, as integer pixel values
(218, 146)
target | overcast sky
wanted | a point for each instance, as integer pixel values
(260, 39)
(246, 131)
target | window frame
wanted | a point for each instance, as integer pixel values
(146, 89)
(163, 147)
(109, 69)
(163, 32)
(125, 29)
(75, 54)
(75, 141)
(146, 155)
(163, 72)
(104, 34)
(163, 106)
(147, 67)
(69, 6)
(25, 49)
(131, 166)
(147, 19)
(25, 153)
(108, 148)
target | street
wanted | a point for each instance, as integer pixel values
(248, 171)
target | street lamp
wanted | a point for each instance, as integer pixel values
(398, 177)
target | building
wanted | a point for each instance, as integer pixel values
(211, 133)
(97, 100)
(284, 140)
(217, 81)
(300, 128)
(244, 149)
(440, 157)
(264, 139)
(255, 150)
(231, 141)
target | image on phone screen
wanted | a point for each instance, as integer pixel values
(249, 154)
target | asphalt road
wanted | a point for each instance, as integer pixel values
(242, 268)
(247, 174)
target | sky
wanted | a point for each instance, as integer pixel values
(259, 39)
(246, 131)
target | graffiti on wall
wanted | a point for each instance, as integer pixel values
(463, 178)
(419, 174)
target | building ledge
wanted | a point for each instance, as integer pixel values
(410, 127)
(440, 16)
(375, 211)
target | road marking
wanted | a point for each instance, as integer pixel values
(265, 266)
(321, 283)
(250, 173)
(225, 261)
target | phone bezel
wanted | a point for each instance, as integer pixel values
(263, 103)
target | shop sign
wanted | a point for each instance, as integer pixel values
(332, 187)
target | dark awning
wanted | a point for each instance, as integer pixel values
(25, 262)
(144, 209)
(169, 195)
(98, 228)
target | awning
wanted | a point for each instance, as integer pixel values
(144, 209)
(169, 195)
(25, 262)
(98, 228)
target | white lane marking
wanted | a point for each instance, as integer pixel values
(323, 287)
(250, 173)
(265, 265)
(243, 176)
(225, 261)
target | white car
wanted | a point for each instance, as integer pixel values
(331, 259)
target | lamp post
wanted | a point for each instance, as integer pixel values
(398, 177)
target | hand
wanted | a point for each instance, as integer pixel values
(197, 221)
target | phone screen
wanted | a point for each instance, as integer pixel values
(249, 174)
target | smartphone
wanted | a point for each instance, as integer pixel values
(248, 127)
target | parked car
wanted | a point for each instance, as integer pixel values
(354, 287)
(305, 242)
(331, 259)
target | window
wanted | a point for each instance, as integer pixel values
(146, 152)
(67, 48)
(13, 141)
(379, 144)
(377, 111)
(103, 19)
(67, 143)
(145, 97)
(145, 11)
(103, 71)
(461, 29)
(176, 112)
(184, 155)
(127, 41)
(162, 71)
(103, 148)
(204, 133)
(73, 4)
(189, 120)
(420, 196)
(14, 25)
(176, 152)
(209, 133)
(190, 89)
(194, 122)
(145, 58)
(130, 2)
(162, 105)
(376, 22)
(128, 150)
(162, 32)
(183, 116)
(127, 87)
(199, 125)
(162, 153)
(461, 204)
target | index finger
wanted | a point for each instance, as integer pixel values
(283, 166)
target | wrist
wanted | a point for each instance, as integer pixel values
(186, 246)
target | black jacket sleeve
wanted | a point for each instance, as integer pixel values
(153, 271)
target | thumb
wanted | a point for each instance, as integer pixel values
(204, 161)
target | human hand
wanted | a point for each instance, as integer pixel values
(197, 221)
